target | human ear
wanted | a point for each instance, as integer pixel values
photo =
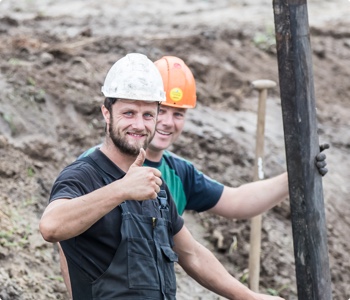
(106, 114)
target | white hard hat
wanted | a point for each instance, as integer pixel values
(134, 77)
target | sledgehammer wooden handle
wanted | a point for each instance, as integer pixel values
(262, 86)
(255, 229)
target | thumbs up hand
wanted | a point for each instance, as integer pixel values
(141, 183)
(140, 159)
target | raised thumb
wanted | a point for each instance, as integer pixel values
(140, 159)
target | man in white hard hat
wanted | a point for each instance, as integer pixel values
(115, 219)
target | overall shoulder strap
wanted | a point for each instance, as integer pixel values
(165, 211)
(162, 197)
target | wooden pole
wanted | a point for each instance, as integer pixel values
(301, 140)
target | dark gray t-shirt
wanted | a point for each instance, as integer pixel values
(94, 249)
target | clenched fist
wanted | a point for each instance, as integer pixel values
(141, 183)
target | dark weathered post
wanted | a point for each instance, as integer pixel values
(302, 145)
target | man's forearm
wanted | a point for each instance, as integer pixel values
(252, 199)
(262, 195)
(205, 268)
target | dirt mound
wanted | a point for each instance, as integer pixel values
(53, 61)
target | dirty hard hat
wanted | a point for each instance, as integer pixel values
(134, 77)
(179, 83)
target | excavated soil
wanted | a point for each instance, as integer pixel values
(53, 58)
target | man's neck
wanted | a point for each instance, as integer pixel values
(123, 161)
(154, 155)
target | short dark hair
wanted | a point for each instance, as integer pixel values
(109, 102)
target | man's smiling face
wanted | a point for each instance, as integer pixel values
(132, 125)
(170, 123)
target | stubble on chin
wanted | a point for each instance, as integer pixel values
(120, 140)
(126, 147)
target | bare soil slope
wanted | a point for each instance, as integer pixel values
(53, 58)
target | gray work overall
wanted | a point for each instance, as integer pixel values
(143, 265)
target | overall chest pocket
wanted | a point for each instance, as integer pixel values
(142, 268)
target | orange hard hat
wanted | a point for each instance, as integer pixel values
(179, 83)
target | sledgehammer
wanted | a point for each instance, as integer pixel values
(255, 230)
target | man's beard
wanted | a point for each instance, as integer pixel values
(122, 144)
